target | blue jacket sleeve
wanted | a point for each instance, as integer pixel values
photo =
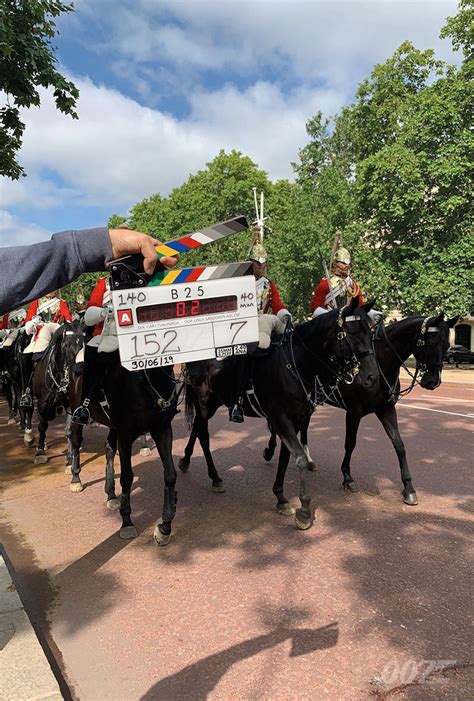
(28, 272)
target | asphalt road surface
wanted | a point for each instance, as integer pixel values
(374, 601)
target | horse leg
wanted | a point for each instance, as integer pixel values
(164, 442)
(184, 462)
(388, 419)
(67, 433)
(269, 451)
(9, 398)
(76, 441)
(286, 430)
(283, 505)
(144, 449)
(128, 530)
(304, 443)
(202, 427)
(110, 450)
(28, 437)
(40, 456)
(352, 426)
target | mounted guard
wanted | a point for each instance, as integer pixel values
(272, 312)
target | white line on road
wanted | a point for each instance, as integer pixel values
(445, 399)
(438, 411)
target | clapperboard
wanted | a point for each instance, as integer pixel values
(181, 315)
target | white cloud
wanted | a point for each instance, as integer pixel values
(329, 41)
(120, 151)
(13, 232)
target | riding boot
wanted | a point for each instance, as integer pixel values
(92, 375)
(236, 410)
(26, 361)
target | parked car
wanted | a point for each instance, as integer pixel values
(459, 354)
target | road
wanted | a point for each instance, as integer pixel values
(240, 604)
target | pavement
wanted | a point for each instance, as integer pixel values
(25, 673)
(372, 602)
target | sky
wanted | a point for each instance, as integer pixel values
(165, 85)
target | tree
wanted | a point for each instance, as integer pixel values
(393, 173)
(27, 62)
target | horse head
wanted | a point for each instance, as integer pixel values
(351, 344)
(70, 336)
(430, 347)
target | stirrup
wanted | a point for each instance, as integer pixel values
(236, 414)
(26, 400)
(81, 415)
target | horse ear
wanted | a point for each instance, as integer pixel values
(452, 322)
(349, 309)
(367, 306)
(435, 321)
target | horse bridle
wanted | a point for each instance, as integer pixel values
(63, 383)
(341, 373)
(351, 362)
(420, 366)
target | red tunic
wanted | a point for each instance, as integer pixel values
(32, 311)
(4, 324)
(274, 303)
(321, 291)
(97, 300)
(63, 312)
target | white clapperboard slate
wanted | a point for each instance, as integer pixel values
(178, 316)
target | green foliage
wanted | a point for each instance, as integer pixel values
(85, 284)
(27, 62)
(392, 172)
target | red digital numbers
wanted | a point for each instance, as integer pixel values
(191, 307)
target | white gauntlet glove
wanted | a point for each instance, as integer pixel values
(284, 316)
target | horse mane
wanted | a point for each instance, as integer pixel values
(323, 322)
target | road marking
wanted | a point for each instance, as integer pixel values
(438, 411)
(444, 399)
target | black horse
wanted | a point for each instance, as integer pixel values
(131, 404)
(19, 367)
(50, 382)
(6, 385)
(425, 338)
(335, 345)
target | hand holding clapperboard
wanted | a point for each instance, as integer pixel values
(181, 315)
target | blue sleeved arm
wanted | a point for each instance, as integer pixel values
(28, 272)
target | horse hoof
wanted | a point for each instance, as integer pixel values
(41, 459)
(145, 452)
(76, 487)
(302, 525)
(68, 470)
(312, 466)
(183, 465)
(128, 532)
(410, 499)
(161, 538)
(267, 454)
(11, 421)
(302, 521)
(285, 509)
(113, 504)
(350, 487)
(218, 487)
(28, 437)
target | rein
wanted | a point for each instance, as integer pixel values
(161, 402)
(419, 367)
(340, 376)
